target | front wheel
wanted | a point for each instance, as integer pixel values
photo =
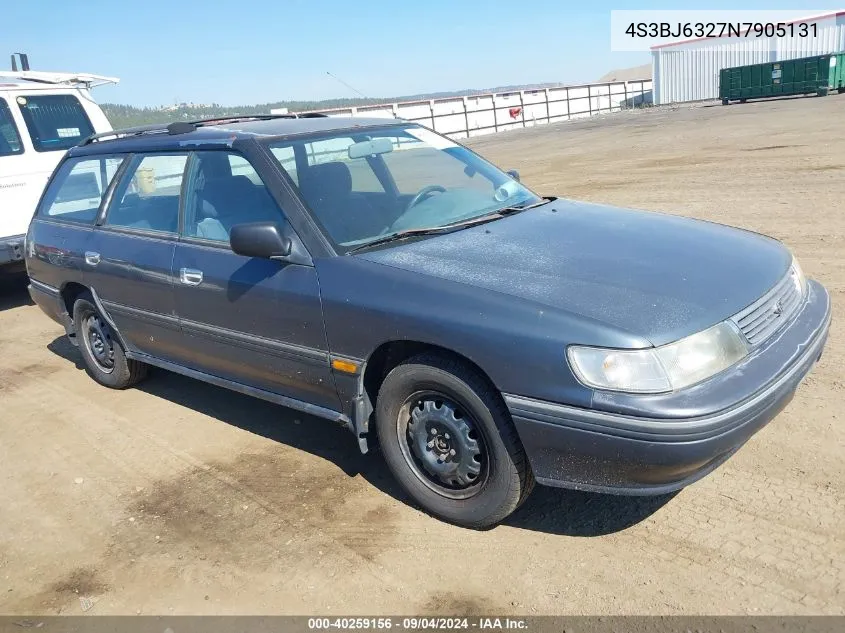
(105, 360)
(449, 441)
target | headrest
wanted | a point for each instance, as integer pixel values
(326, 181)
(224, 196)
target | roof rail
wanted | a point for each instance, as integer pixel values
(255, 117)
(184, 127)
(155, 128)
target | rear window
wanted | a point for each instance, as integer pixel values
(77, 190)
(55, 122)
(10, 140)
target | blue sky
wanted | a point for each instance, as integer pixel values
(268, 50)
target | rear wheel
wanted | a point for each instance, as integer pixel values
(105, 360)
(449, 441)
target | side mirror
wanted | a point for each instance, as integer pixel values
(260, 239)
(513, 174)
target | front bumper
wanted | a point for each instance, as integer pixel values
(626, 453)
(11, 249)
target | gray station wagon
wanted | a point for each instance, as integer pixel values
(375, 273)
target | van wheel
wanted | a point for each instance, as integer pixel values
(105, 360)
(449, 440)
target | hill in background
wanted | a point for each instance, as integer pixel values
(627, 74)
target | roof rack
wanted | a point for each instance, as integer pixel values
(184, 127)
(86, 79)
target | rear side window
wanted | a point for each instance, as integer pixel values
(55, 122)
(77, 190)
(147, 198)
(10, 140)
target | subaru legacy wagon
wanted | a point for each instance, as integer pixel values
(377, 274)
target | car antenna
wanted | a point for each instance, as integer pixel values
(336, 78)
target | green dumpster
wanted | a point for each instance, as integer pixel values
(808, 75)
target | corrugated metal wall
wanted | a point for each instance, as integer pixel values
(690, 71)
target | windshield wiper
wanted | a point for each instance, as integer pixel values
(446, 228)
(401, 235)
(431, 230)
(518, 208)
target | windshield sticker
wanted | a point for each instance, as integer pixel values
(67, 132)
(22, 100)
(427, 136)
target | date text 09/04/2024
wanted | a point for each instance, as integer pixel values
(417, 623)
(721, 29)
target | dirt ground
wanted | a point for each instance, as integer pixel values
(180, 497)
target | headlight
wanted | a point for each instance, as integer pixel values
(797, 276)
(674, 366)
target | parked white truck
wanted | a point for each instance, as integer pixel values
(42, 114)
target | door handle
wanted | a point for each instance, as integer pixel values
(92, 258)
(190, 276)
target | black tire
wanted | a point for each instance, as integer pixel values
(504, 479)
(105, 360)
(725, 102)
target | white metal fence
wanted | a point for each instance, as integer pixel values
(462, 117)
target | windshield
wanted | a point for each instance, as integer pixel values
(364, 186)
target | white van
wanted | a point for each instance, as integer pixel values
(42, 114)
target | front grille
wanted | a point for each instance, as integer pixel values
(765, 316)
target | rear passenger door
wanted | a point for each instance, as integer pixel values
(253, 321)
(129, 257)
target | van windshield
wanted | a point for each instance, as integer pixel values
(55, 122)
(10, 140)
(364, 185)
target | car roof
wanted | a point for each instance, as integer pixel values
(221, 132)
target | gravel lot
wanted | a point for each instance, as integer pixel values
(180, 497)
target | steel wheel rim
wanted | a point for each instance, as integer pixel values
(443, 445)
(98, 341)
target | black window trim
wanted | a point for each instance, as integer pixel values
(129, 230)
(31, 133)
(15, 129)
(41, 217)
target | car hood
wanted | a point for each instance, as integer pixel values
(653, 275)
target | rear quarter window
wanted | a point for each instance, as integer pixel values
(10, 140)
(76, 191)
(54, 122)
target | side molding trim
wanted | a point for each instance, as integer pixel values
(291, 403)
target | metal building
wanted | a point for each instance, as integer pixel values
(689, 70)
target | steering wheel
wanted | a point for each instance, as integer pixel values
(421, 195)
